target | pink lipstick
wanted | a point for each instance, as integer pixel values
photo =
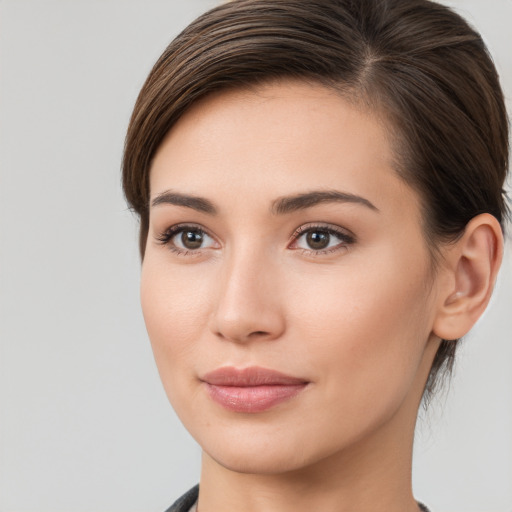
(251, 389)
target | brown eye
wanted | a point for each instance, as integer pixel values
(322, 240)
(192, 239)
(187, 240)
(318, 240)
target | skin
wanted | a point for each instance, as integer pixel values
(359, 320)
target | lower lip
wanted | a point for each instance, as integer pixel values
(252, 399)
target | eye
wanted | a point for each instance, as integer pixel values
(321, 239)
(186, 239)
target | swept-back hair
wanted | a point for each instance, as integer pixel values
(416, 62)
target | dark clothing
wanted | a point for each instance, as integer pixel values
(188, 499)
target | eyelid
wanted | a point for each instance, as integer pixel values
(165, 237)
(345, 236)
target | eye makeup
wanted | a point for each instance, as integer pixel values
(312, 239)
(321, 239)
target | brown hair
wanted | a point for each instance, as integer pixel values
(416, 61)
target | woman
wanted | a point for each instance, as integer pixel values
(319, 186)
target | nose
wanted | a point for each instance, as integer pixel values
(248, 305)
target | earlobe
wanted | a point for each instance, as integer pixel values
(472, 264)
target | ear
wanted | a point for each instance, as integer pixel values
(472, 265)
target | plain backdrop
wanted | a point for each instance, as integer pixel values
(84, 423)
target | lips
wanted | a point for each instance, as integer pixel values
(251, 390)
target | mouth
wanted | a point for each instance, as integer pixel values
(251, 390)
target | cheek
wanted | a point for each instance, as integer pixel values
(175, 308)
(364, 329)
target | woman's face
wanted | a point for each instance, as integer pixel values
(286, 286)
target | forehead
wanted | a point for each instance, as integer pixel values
(278, 138)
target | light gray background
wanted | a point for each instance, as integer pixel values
(84, 423)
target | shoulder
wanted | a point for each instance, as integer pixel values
(184, 503)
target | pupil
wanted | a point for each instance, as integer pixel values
(192, 239)
(318, 239)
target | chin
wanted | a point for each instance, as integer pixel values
(261, 461)
(263, 450)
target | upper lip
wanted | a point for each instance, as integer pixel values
(251, 376)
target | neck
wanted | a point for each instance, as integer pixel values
(373, 474)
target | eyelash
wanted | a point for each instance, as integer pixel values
(166, 237)
(346, 239)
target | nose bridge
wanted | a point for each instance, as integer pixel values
(248, 296)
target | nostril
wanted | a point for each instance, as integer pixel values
(241, 337)
(259, 333)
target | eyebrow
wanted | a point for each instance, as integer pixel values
(290, 204)
(196, 203)
(280, 206)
